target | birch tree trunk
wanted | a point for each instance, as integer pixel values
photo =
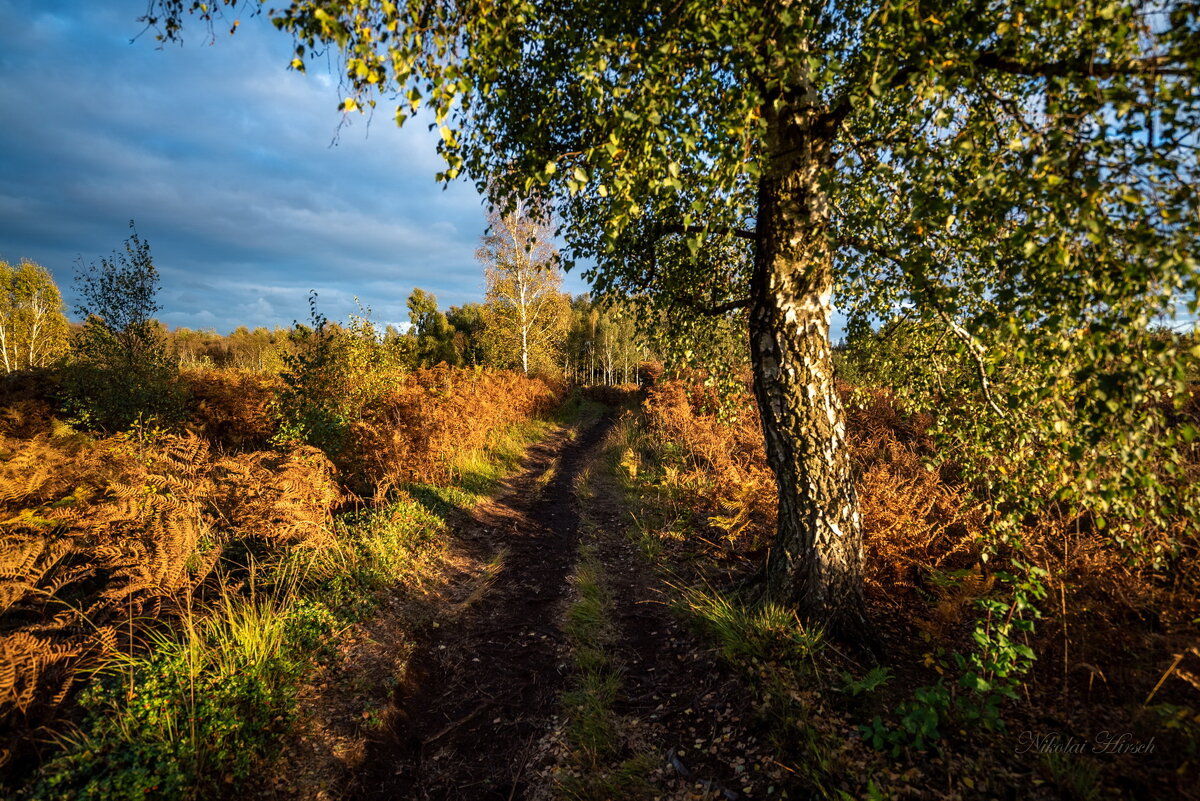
(36, 313)
(4, 347)
(816, 560)
(525, 349)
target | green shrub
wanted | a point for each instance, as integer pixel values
(197, 715)
(333, 376)
(121, 372)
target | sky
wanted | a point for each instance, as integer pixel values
(228, 164)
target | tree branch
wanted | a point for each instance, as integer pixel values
(742, 233)
(977, 350)
(974, 347)
(719, 309)
(1152, 65)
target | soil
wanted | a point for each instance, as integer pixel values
(482, 690)
(679, 701)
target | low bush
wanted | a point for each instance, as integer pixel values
(236, 408)
(427, 419)
(100, 532)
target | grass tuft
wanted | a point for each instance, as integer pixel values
(766, 632)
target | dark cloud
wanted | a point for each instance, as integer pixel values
(228, 164)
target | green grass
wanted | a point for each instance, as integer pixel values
(587, 619)
(591, 724)
(476, 473)
(546, 476)
(764, 632)
(626, 454)
(593, 728)
(601, 768)
(1077, 776)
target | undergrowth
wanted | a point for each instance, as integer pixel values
(966, 674)
(226, 582)
(208, 704)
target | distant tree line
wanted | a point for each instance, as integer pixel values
(595, 342)
(525, 323)
(120, 365)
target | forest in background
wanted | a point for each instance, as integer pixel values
(591, 342)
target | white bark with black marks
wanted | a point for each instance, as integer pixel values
(816, 562)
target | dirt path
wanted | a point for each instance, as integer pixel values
(482, 689)
(678, 703)
(478, 714)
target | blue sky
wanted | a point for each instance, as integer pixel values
(223, 157)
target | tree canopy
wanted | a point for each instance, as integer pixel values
(432, 331)
(1034, 140)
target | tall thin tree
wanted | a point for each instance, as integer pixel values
(526, 314)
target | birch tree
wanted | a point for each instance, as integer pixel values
(526, 314)
(33, 327)
(122, 371)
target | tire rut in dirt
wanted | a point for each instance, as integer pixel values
(481, 690)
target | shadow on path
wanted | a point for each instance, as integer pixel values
(480, 691)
